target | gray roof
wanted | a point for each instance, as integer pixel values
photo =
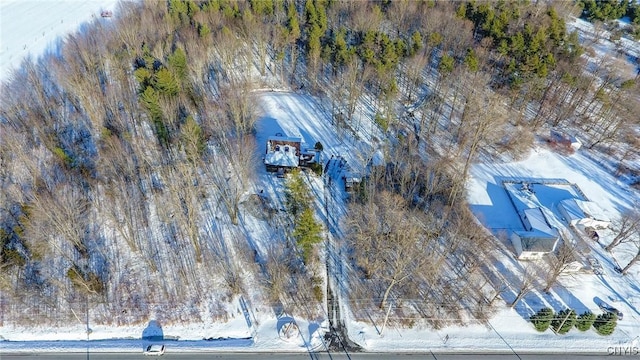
(537, 241)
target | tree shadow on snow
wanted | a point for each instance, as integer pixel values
(569, 300)
(267, 126)
(529, 304)
(560, 298)
(313, 327)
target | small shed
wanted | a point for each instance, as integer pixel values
(563, 138)
(351, 179)
(585, 213)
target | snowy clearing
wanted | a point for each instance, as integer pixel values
(33, 28)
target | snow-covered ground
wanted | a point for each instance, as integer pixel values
(34, 27)
(300, 115)
(625, 52)
(509, 328)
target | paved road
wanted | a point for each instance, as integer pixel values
(300, 356)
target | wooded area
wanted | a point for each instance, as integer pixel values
(142, 130)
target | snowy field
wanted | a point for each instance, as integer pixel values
(35, 27)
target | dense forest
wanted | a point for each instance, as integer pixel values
(142, 128)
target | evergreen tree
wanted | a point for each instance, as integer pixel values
(297, 194)
(165, 82)
(342, 53)
(605, 323)
(542, 319)
(471, 60)
(143, 76)
(262, 7)
(604, 9)
(310, 13)
(193, 139)
(564, 321)
(416, 43)
(293, 25)
(585, 321)
(307, 232)
(192, 9)
(178, 63)
(446, 65)
(203, 30)
(151, 101)
(367, 48)
(178, 10)
(461, 12)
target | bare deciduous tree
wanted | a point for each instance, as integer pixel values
(636, 257)
(484, 119)
(625, 228)
(183, 185)
(64, 210)
(240, 107)
(527, 282)
(557, 264)
(389, 241)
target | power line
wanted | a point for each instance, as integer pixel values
(503, 339)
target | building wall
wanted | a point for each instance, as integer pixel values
(524, 255)
(517, 244)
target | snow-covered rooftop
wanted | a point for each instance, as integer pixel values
(282, 151)
(282, 156)
(537, 222)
